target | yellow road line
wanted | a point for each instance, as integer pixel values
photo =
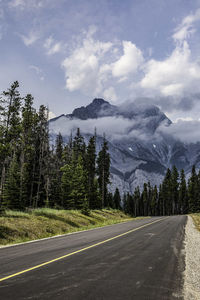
(78, 251)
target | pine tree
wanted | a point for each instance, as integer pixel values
(154, 202)
(137, 202)
(91, 170)
(42, 175)
(79, 146)
(109, 200)
(198, 193)
(174, 190)
(167, 194)
(117, 199)
(103, 171)
(10, 130)
(144, 198)
(183, 196)
(11, 194)
(56, 163)
(192, 191)
(66, 187)
(78, 191)
(149, 202)
(27, 150)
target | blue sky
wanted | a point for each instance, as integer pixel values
(66, 52)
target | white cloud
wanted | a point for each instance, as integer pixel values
(30, 39)
(96, 68)
(51, 115)
(186, 28)
(38, 71)
(185, 131)
(48, 42)
(110, 94)
(52, 46)
(84, 68)
(129, 62)
(183, 119)
(26, 4)
(115, 127)
(176, 75)
(57, 47)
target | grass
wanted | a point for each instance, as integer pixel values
(196, 219)
(16, 226)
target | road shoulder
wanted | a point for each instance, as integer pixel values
(192, 262)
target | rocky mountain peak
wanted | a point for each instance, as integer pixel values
(97, 108)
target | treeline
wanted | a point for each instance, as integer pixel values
(35, 174)
(174, 196)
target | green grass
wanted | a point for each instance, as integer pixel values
(196, 219)
(16, 226)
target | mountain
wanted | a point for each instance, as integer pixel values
(140, 151)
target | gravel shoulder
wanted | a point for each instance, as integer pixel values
(192, 262)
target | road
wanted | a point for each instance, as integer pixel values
(141, 259)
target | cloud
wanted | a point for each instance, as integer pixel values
(38, 71)
(110, 94)
(51, 115)
(114, 127)
(26, 4)
(129, 62)
(176, 75)
(30, 39)
(183, 130)
(186, 29)
(94, 67)
(84, 68)
(101, 68)
(52, 46)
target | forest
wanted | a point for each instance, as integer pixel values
(36, 173)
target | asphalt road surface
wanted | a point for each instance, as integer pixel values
(141, 259)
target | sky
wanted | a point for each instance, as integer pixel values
(68, 52)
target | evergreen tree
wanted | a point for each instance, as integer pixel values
(27, 151)
(198, 193)
(10, 130)
(109, 200)
(183, 196)
(138, 210)
(117, 199)
(144, 200)
(192, 191)
(167, 194)
(78, 145)
(42, 174)
(66, 187)
(11, 195)
(174, 190)
(78, 191)
(91, 170)
(154, 202)
(56, 163)
(103, 171)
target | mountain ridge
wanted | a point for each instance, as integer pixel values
(139, 151)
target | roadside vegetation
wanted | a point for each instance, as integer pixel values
(196, 219)
(16, 226)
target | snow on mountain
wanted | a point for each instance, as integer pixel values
(140, 151)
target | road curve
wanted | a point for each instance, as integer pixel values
(140, 259)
